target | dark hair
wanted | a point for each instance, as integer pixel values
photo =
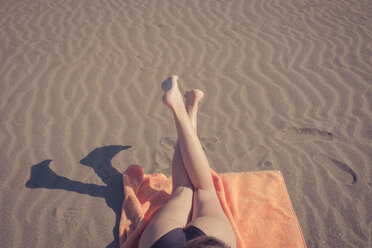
(206, 242)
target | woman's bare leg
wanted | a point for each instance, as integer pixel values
(193, 156)
(207, 211)
(193, 97)
(179, 173)
(176, 212)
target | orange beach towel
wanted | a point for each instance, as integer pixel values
(256, 203)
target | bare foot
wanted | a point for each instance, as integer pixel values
(193, 97)
(172, 96)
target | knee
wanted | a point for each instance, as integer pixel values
(205, 193)
(182, 190)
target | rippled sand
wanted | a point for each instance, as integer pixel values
(288, 86)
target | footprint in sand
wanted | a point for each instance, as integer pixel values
(66, 217)
(256, 158)
(305, 134)
(338, 170)
(208, 142)
(163, 161)
(265, 164)
(168, 142)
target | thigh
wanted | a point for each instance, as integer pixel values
(174, 214)
(206, 203)
(209, 216)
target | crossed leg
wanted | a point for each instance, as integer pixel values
(193, 187)
(176, 213)
(207, 213)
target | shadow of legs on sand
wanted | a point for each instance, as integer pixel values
(42, 176)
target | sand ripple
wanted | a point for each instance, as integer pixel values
(287, 84)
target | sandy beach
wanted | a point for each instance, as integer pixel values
(288, 86)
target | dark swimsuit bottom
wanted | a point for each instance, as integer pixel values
(178, 237)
